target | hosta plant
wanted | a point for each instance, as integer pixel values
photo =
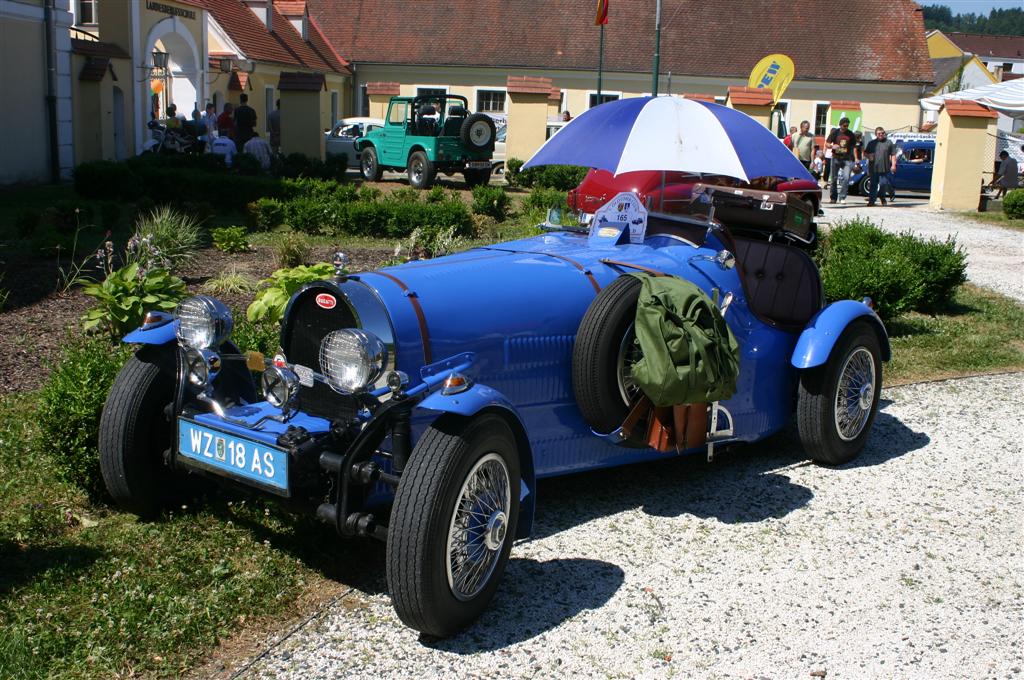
(271, 301)
(126, 294)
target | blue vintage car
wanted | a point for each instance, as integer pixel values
(419, 404)
(913, 168)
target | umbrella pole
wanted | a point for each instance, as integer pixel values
(600, 63)
(657, 48)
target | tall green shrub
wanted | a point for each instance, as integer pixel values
(1013, 204)
(492, 201)
(69, 411)
(265, 214)
(165, 239)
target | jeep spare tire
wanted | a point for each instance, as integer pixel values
(478, 132)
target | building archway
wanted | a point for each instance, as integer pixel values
(184, 81)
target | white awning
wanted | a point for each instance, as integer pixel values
(1006, 97)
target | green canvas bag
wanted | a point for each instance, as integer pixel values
(689, 354)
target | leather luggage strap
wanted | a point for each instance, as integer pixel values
(420, 317)
(574, 263)
(630, 265)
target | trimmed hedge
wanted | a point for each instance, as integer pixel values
(1013, 204)
(563, 177)
(899, 272)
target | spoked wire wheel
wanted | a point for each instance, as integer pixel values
(479, 527)
(855, 394)
(629, 354)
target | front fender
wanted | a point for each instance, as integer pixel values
(159, 332)
(477, 399)
(819, 337)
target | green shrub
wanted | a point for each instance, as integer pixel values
(246, 164)
(1013, 204)
(126, 294)
(230, 240)
(265, 214)
(899, 272)
(165, 239)
(436, 194)
(369, 218)
(541, 198)
(110, 214)
(368, 193)
(312, 215)
(271, 301)
(492, 201)
(325, 189)
(291, 250)
(405, 195)
(512, 168)
(336, 166)
(562, 177)
(107, 180)
(69, 410)
(26, 221)
(201, 211)
(259, 336)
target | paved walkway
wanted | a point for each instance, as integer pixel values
(995, 255)
(904, 564)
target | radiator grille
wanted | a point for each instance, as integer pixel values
(306, 326)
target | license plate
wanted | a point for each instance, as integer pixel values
(237, 457)
(478, 165)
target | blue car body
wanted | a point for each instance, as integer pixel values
(909, 175)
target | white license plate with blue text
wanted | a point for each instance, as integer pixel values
(233, 456)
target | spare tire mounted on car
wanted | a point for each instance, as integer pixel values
(478, 132)
(659, 336)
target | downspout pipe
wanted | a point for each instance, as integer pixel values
(51, 87)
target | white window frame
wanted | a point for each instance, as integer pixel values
(476, 97)
(604, 93)
(335, 107)
(77, 6)
(721, 100)
(785, 115)
(814, 121)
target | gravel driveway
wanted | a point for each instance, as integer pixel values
(905, 564)
(995, 255)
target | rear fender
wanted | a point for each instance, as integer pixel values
(819, 337)
(482, 399)
(159, 332)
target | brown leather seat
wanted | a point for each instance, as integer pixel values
(781, 282)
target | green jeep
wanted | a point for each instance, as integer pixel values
(426, 135)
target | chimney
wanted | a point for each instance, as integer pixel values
(263, 9)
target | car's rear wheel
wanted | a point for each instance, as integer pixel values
(605, 350)
(421, 170)
(864, 186)
(478, 132)
(453, 523)
(477, 177)
(369, 165)
(136, 429)
(838, 402)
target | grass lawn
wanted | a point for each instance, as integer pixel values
(997, 218)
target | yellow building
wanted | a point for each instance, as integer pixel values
(955, 69)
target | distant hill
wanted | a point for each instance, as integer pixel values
(998, 21)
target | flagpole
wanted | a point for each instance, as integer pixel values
(600, 63)
(657, 47)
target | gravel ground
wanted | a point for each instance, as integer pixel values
(995, 255)
(904, 564)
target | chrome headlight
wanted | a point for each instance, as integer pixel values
(203, 322)
(202, 366)
(280, 385)
(352, 359)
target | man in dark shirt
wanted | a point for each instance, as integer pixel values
(881, 153)
(844, 152)
(245, 121)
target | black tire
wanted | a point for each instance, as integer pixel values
(135, 431)
(817, 420)
(475, 178)
(424, 511)
(595, 356)
(864, 186)
(421, 170)
(478, 132)
(369, 165)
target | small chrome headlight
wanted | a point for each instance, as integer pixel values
(201, 366)
(203, 322)
(280, 385)
(351, 359)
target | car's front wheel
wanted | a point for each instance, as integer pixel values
(838, 402)
(421, 170)
(453, 523)
(369, 165)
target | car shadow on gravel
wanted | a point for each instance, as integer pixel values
(744, 483)
(566, 586)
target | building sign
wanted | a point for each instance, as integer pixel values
(170, 9)
(835, 114)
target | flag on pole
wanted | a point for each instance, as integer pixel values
(602, 13)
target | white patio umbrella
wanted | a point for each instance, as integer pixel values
(1006, 97)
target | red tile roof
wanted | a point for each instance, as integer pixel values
(283, 45)
(529, 85)
(1010, 46)
(700, 97)
(962, 107)
(882, 40)
(750, 96)
(290, 9)
(845, 105)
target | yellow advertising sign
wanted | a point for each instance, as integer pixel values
(774, 72)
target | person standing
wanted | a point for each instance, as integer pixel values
(881, 160)
(1007, 178)
(209, 125)
(226, 121)
(245, 121)
(844, 153)
(274, 120)
(788, 139)
(258, 148)
(803, 144)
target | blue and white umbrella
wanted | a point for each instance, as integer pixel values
(672, 134)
